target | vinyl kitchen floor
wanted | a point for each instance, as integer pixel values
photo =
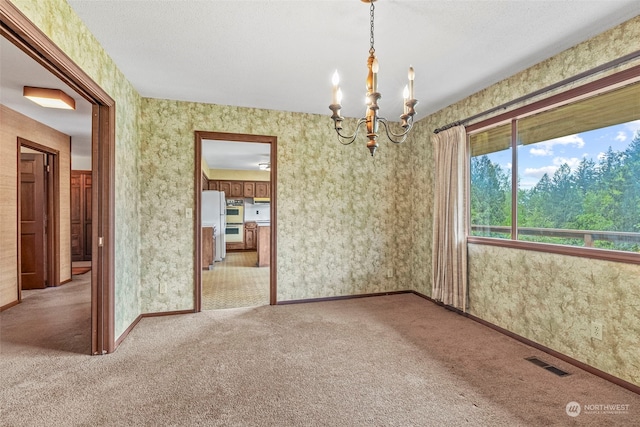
(235, 282)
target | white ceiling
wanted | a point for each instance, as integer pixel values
(18, 70)
(280, 55)
(235, 155)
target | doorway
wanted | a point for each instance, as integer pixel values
(258, 228)
(38, 208)
(22, 33)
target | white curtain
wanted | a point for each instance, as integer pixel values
(449, 217)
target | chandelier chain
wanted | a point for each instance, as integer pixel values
(371, 49)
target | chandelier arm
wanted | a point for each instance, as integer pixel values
(396, 138)
(348, 139)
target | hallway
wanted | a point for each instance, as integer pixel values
(56, 318)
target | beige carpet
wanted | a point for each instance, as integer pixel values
(379, 361)
(235, 282)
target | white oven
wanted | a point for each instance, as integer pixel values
(234, 233)
(235, 214)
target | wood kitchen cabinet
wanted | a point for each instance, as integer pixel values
(264, 246)
(250, 235)
(262, 189)
(208, 247)
(239, 189)
(226, 187)
(231, 188)
(249, 188)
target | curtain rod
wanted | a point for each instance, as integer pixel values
(561, 83)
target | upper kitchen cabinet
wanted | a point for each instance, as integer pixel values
(232, 188)
(262, 189)
(240, 189)
(249, 189)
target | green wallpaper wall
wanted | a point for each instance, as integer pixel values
(58, 21)
(550, 299)
(341, 214)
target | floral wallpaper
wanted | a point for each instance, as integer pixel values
(340, 211)
(548, 298)
(552, 300)
(60, 23)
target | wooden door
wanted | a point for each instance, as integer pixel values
(81, 215)
(32, 221)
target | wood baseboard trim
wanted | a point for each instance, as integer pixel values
(342, 297)
(167, 313)
(64, 282)
(126, 331)
(578, 364)
(133, 324)
(8, 306)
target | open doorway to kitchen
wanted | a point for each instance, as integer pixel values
(235, 221)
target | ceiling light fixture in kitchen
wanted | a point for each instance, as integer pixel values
(264, 166)
(371, 119)
(50, 98)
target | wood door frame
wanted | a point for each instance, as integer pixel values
(234, 137)
(53, 214)
(18, 29)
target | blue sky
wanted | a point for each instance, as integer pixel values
(546, 157)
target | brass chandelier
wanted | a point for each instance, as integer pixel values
(371, 118)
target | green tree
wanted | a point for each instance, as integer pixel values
(490, 189)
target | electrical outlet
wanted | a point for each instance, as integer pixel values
(596, 330)
(162, 288)
(390, 272)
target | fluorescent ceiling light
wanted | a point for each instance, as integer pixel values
(50, 98)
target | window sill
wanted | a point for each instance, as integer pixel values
(593, 253)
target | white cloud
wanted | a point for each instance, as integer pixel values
(634, 126)
(572, 162)
(601, 155)
(508, 165)
(621, 136)
(540, 152)
(539, 172)
(545, 148)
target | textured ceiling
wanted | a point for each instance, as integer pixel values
(280, 55)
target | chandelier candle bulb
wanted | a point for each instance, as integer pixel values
(412, 76)
(405, 96)
(375, 67)
(335, 80)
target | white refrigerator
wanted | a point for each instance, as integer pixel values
(214, 214)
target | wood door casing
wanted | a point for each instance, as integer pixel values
(32, 221)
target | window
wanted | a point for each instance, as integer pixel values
(566, 174)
